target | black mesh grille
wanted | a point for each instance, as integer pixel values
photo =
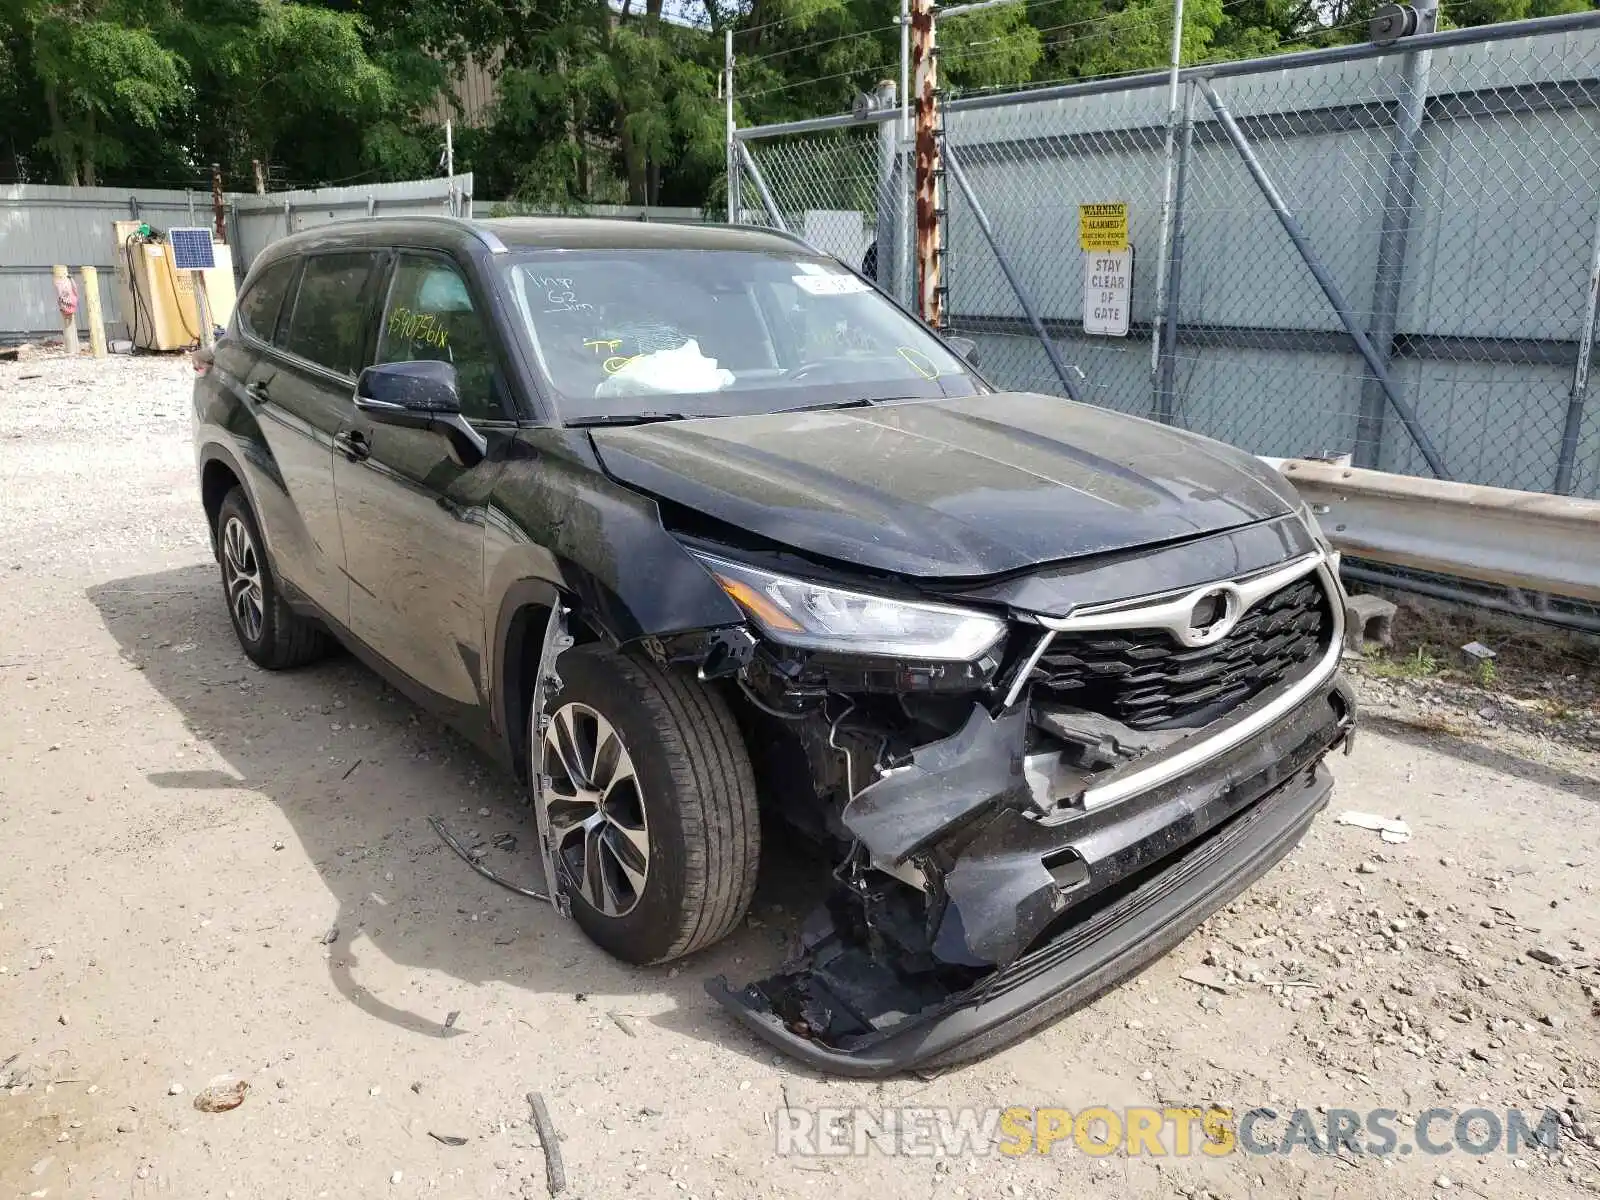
(1145, 679)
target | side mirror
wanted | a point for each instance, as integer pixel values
(423, 387)
(965, 347)
(420, 395)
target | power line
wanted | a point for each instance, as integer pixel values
(750, 62)
(772, 24)
(1107, 19)
(1033, 85)
(789, 87)
(1114, 22)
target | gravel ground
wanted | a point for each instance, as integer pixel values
(207, 870)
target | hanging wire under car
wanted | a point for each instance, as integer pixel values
(466, 856)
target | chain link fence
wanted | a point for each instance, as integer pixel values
(1389, 253)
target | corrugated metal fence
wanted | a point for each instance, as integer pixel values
(1437, 200)
(42, 225)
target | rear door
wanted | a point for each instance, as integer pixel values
(303, 389)
(412, 512)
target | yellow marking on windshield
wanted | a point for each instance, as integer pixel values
(609, 343)
(920, 362)
(616, 362)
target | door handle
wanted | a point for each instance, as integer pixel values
(259, 392)
(354, 445)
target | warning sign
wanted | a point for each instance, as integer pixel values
(1107, 290)
(1103, 226)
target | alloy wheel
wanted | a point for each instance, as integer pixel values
(241, 575)
(594, 807)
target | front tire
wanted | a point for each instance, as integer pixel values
(272, 634)
(651, 806)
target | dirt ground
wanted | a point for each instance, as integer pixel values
(207, 870)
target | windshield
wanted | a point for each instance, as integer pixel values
(647, 334)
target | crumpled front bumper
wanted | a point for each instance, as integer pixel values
(1066, 908)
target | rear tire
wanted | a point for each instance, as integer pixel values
(270, 633)
(652, 806)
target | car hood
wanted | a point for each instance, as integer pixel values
(948, 489)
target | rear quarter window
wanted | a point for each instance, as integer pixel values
(263, 299)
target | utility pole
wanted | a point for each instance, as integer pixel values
(902, 281)
(924, 70)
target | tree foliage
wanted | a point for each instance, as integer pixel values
(593, 100)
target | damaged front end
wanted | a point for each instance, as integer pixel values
(1016, 830)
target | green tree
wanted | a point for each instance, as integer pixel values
(103, 74)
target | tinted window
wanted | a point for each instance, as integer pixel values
(328, 326)
(258, 310)
(430, 316)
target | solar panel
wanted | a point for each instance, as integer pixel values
(192, 249)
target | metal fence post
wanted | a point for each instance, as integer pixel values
(953, 164)
(1167, 322)
(769, 202)
(733, 157)
(1577, 398)
(886, 229)
(1167, 220)
(1330, 289)
(1399, 207)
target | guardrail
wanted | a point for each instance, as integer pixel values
(1528, 540)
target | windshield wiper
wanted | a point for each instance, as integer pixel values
(642, 418)
(857, 402)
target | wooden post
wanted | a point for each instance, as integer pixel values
(218, 215)
(261, 177)
(69, 321)
(90, 287)
(924, 68)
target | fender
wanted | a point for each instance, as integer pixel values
(222, 454)
(519, 627)
(558, 529)
(227, 432)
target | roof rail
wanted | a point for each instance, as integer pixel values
(491, 242)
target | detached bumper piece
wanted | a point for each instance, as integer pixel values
(1028, 920)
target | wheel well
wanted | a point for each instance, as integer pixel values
(524, 642)
(216, 481)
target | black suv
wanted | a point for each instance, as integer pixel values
(692, 527)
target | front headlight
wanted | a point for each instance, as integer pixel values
(798, 612)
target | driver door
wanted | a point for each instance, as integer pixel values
(410, 510)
